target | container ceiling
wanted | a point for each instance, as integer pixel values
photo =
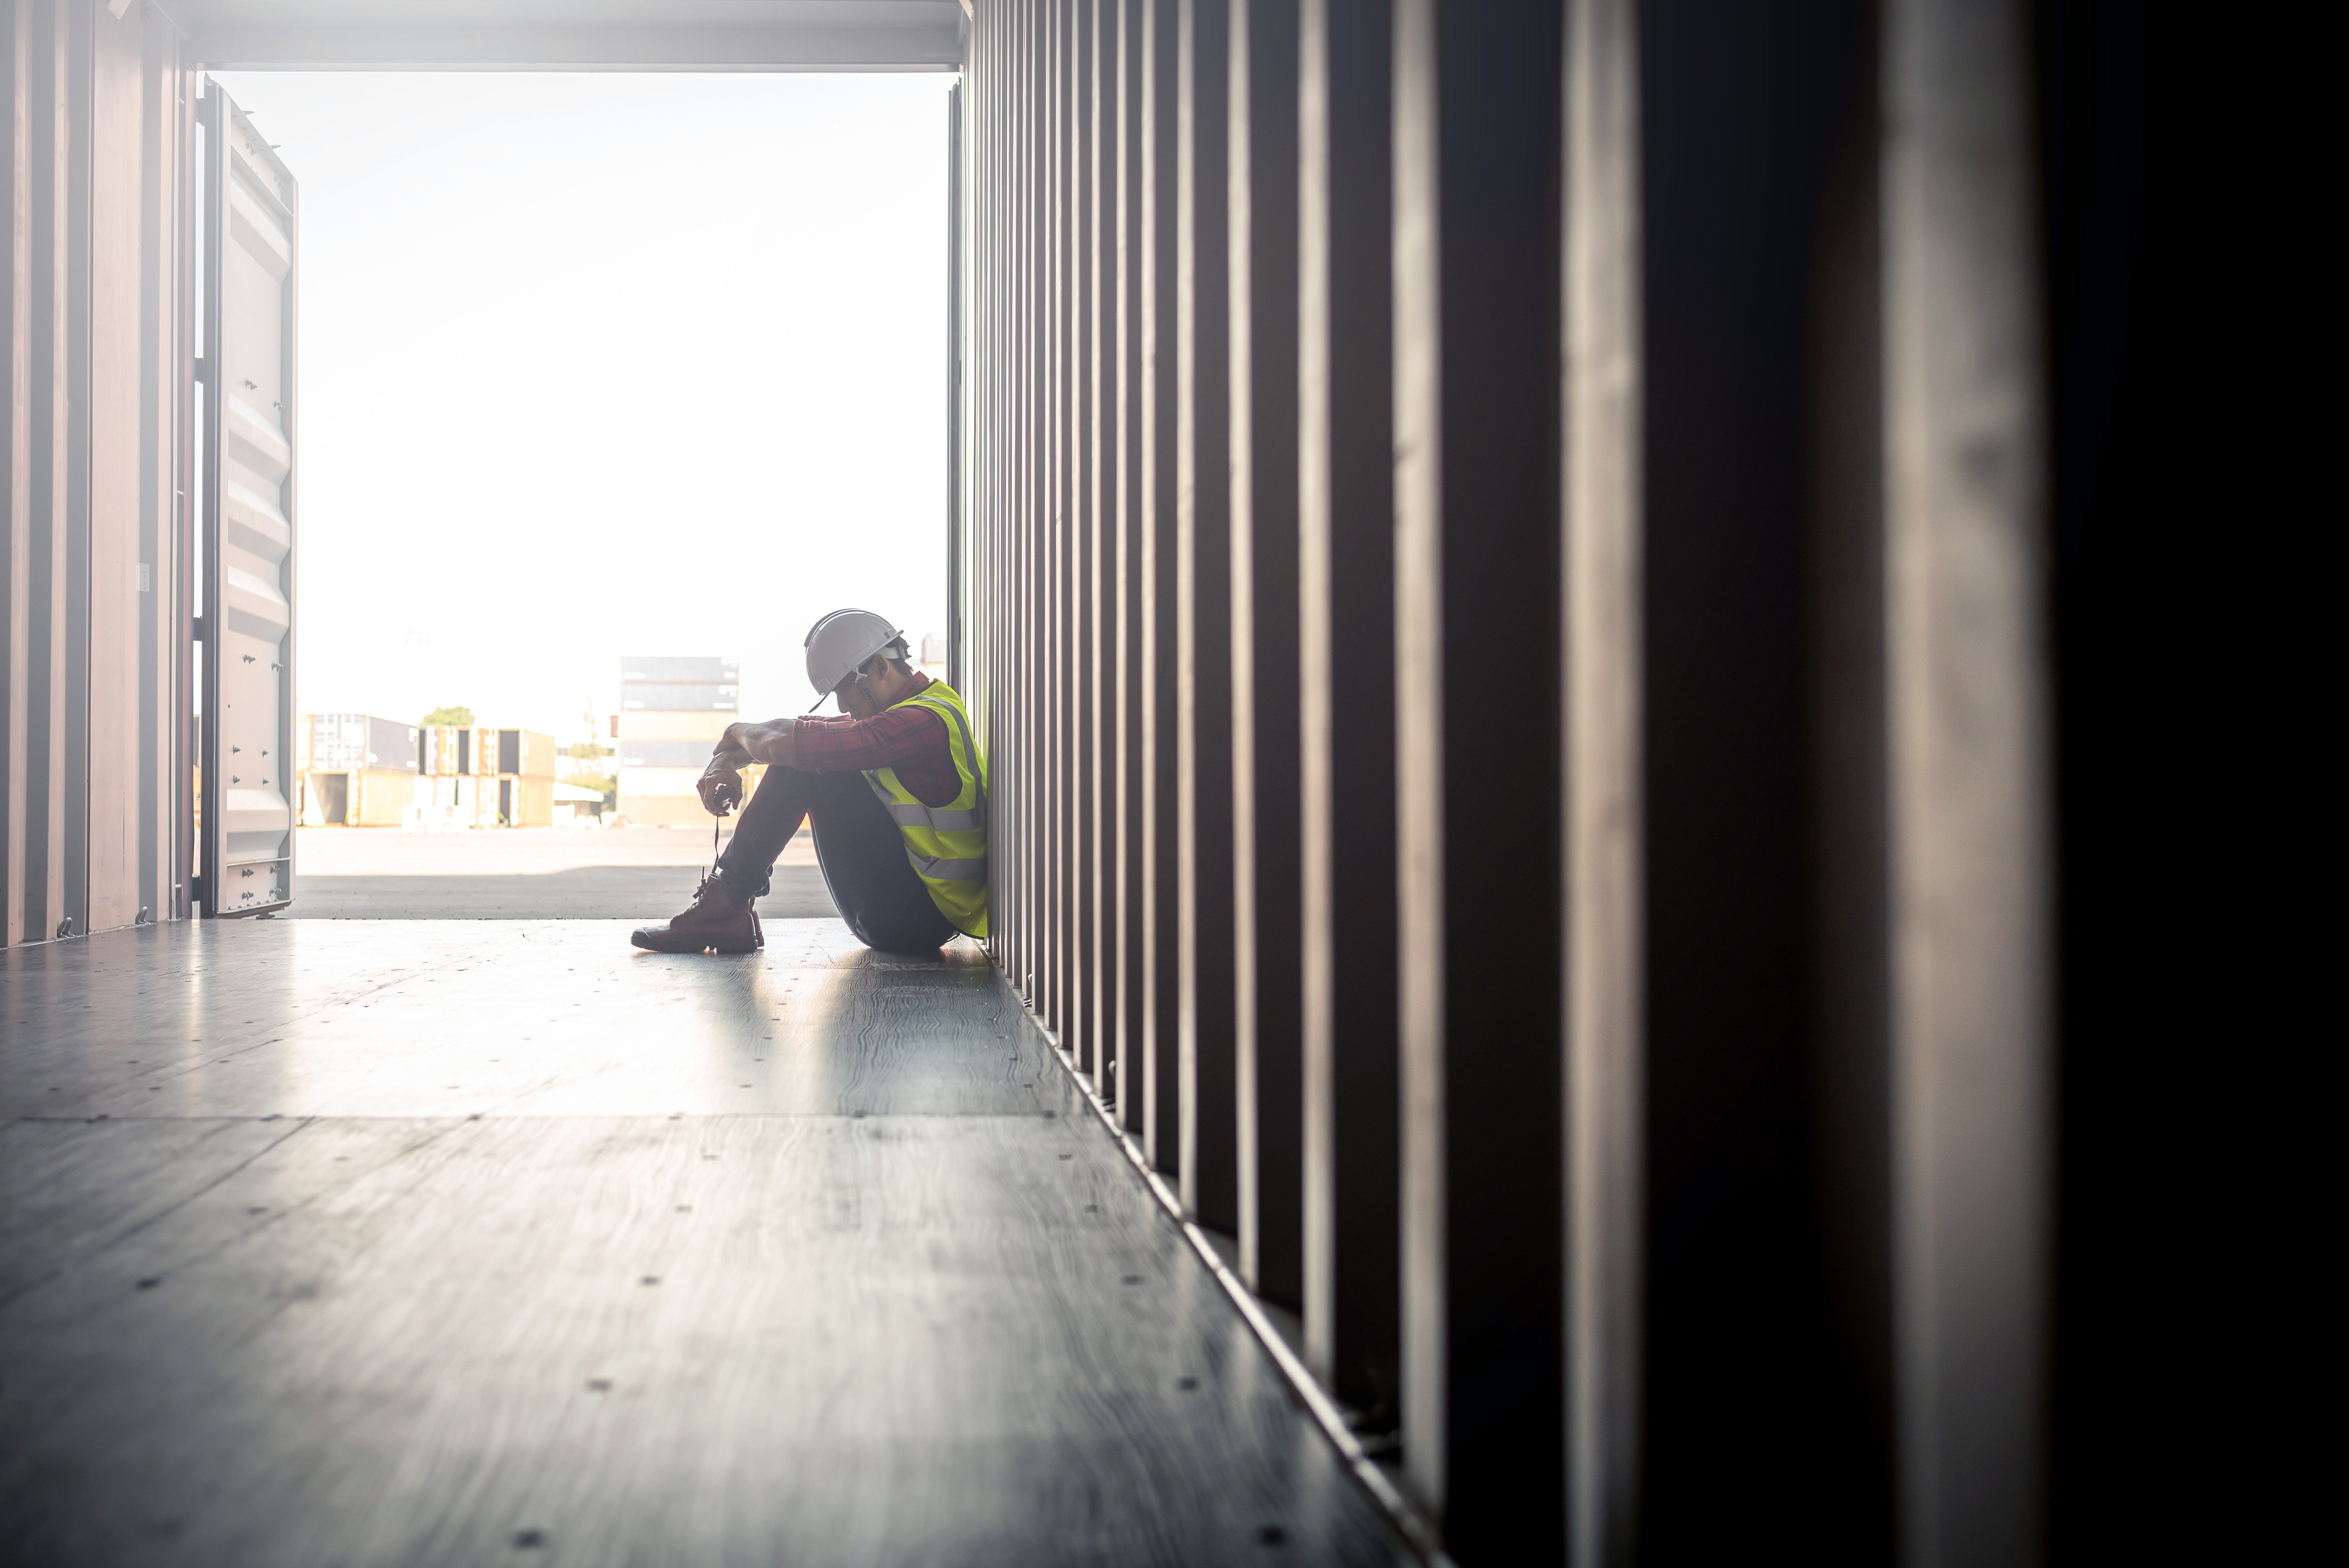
(572, 35)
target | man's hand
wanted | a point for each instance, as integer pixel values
(720, 785)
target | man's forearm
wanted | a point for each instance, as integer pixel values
(769, 743)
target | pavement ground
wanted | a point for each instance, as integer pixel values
(527, 873)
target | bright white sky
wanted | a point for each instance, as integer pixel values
(594, 364)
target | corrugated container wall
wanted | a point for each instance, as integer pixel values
(95, 755)
(1499, 557)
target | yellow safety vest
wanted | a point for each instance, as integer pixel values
(947, 844)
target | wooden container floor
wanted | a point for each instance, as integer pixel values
(438, 1243)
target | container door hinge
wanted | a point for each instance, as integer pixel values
(203, 371)
(196, 625)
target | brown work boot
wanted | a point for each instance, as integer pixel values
(714, 921)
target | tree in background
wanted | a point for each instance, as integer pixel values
(588, 754)
(604, 784)
(449, 716)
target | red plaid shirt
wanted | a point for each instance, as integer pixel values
(913, 740)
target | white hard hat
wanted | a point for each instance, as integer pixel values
(838, 644)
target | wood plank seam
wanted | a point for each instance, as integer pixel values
(149, 1221)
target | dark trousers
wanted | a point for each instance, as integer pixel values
(861, 851)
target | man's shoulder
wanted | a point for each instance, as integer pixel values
(928, 710)
(925, 701)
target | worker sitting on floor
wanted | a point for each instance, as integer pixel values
(896, 788)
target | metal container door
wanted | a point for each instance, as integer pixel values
(250, 273)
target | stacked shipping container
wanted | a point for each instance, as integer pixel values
(479, 776)
(672, 711)
(357, 770)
